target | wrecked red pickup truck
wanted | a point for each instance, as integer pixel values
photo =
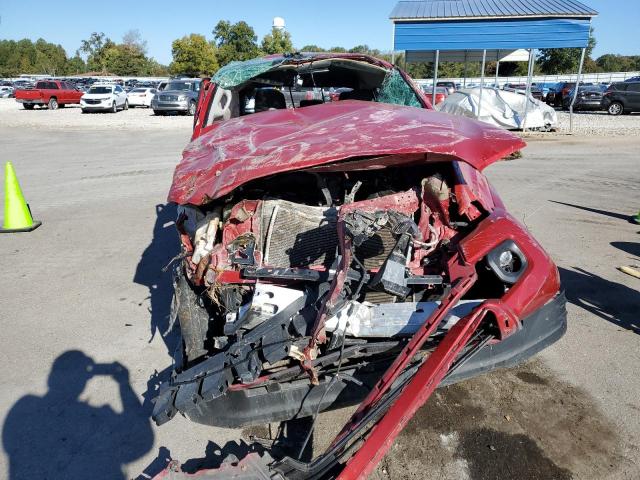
(342, 253)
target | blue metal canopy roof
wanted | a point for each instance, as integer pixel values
(430, 25)
(495, 34)
(475, 9)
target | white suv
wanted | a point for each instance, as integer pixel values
(104, 97)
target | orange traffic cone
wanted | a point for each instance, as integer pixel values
(17, 215)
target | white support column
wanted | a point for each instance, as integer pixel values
(393, 44)
(497, 68)
(527, 92)
(575, 90)
(484, 61)
(435, 78)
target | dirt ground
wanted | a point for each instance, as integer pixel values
(84, 304)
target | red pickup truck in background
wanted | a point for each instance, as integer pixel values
(52, 93)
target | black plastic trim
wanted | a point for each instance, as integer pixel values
(284, 401)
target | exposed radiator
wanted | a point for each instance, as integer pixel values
(296, 235)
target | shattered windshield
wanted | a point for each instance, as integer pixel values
(280, 82)
(236, 73)
(397, 91)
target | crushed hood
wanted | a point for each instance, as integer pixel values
(246, 148)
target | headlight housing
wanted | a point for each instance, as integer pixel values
(507, 261)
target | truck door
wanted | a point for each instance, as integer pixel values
(65, 93)
(52, 91)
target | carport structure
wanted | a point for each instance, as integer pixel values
(481, 30)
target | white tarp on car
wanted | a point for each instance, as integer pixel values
(501, 108)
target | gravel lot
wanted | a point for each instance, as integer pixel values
(600, 124)
(89, 281)
(13, 115)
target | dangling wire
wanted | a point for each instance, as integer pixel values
(331, 383)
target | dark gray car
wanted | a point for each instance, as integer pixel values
(589, 98)
(622, 98)
(179, 96)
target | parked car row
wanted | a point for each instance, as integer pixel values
(83, 84)
(176, 96)
(6, 91)
(616, 99)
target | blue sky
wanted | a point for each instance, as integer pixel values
(328, 23)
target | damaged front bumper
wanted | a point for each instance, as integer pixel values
(281, 401)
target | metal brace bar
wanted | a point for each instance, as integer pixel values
(414, 395)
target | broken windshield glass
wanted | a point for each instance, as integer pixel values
(397, 91)
(236, 73)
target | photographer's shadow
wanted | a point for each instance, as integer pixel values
(58, 436)
(162, 249)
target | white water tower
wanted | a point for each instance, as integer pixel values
(278, 22)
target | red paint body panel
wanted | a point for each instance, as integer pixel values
(246, 148)
(539, 284)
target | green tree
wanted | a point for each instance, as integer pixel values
(338, 50)
(193, 56)
(420, 70)
(93, 44)
(50, 59)
(25, 56)
(312, 48)
(96, 48)
(554, 61)
(235, 42)
(125, 60)
(155, 69)
(360, 49)
(618, 63)
(76, 65)
(278, 41)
